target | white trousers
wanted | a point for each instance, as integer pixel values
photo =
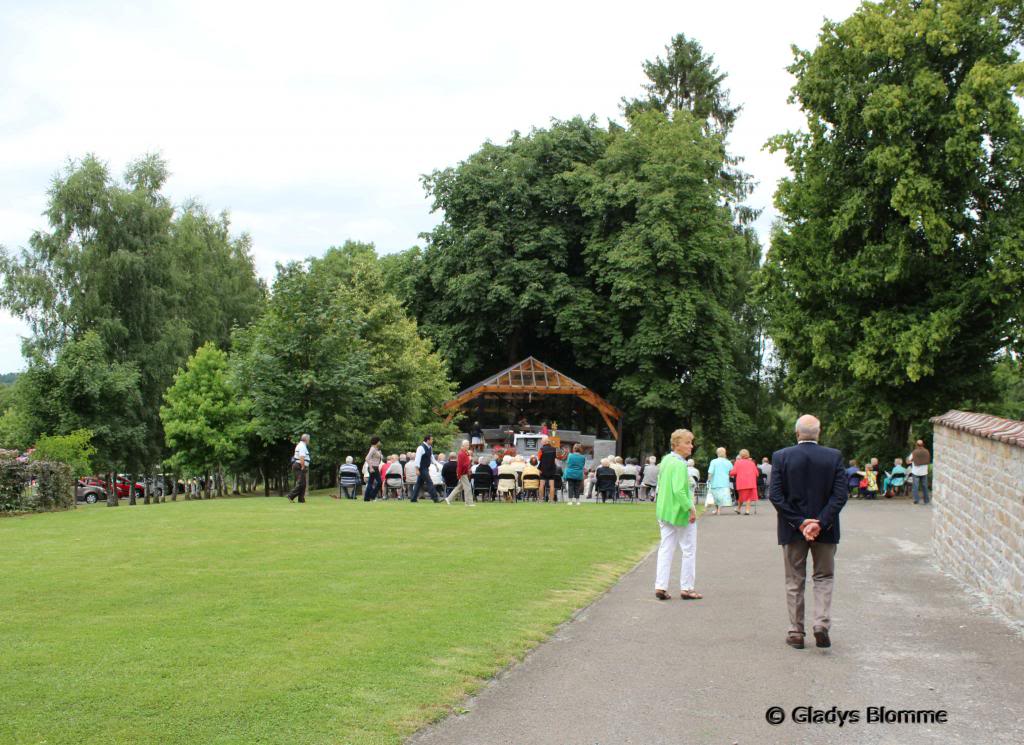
(684, 536)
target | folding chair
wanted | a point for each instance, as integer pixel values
(627, 486)
(483, 484)
(507, 486)
(605, 486)
(531, 487)
(394, 484)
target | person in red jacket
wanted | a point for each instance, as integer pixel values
(463, 464)
(745, 472)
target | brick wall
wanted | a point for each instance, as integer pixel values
(978, 502)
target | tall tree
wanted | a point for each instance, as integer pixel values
(118, 263)
(895, 271)
(686, 79)
(335, 356)
(206, 420)
(504, 270)
(613, 254)
(671, 267)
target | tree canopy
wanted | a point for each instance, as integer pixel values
(150, 283)
(611, 253)
(686, 79)
(895, 271)
(206, 420)
(335, 356)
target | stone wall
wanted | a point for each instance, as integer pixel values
(979, 506)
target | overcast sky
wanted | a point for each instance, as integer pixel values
(313, 122)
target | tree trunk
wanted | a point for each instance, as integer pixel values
(111, 491)
(131, 489)
(174, 487)
(147, 488)
(897, 438)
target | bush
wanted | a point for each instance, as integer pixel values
(75, 449)
(40, 486)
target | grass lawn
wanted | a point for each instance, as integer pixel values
(258, 621)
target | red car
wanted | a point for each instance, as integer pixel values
(121, 485)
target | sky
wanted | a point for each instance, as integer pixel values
(311, 122)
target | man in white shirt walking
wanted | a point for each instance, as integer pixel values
(300, 465)
(423, 459)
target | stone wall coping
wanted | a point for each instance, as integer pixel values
(990, 427)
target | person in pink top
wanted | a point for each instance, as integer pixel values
(745, 473)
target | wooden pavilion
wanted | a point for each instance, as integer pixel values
(530, 378)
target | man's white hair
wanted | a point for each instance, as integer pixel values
(506, 459)
(348, 458)
(465, 443)
(808, 427)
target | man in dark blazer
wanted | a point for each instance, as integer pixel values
(808, 489)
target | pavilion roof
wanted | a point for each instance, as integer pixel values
(533, 376)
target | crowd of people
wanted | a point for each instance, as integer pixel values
(548, 475)
(551, 476)
(910, 474)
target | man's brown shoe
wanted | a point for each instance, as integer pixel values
(661, 595)
(795, 640)
(821, 637)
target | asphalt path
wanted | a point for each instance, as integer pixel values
(632, 670)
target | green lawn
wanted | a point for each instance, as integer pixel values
(259, 621)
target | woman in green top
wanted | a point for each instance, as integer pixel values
(677, 518)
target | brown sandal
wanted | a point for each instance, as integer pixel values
(690, 595)
(661, 595)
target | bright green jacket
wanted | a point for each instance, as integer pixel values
(674, 499)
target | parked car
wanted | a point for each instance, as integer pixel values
(121, 485)
(87, 490)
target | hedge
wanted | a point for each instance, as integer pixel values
(41, 486)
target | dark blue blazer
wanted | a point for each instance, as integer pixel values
(808, 481)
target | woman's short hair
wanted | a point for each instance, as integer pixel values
(652, 460)
(577, 448)
(618, 459)
(720, 452)
(689, 462)
(374, 440)
(348, 458)
(744, 453)
(606, 462)
(482, 460)
(506, 459)
(680, 436)
(533, 460)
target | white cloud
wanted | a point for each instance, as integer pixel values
(312, 122)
